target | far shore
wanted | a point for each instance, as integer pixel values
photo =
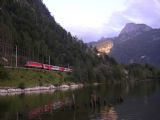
(38, 89)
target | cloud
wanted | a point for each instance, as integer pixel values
(141, 11)
(90, 20)
(137, 11)
(144, 11)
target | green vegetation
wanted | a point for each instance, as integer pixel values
(3, 73)
(29, 25)
(22, 78)
(141, 72)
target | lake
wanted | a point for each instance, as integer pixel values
(138, 101)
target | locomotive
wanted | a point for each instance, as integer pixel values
(33, 64)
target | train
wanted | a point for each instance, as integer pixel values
(33, 64)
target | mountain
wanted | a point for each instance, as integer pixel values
(104, 47)
(30, 32)
(29, 25)
(143, 48)
(131, 30)
(136, 43)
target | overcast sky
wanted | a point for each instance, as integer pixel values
(90, 20)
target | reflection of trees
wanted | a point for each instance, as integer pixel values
(40, 110)
(50, 107)
(145, 88)
(109, 113)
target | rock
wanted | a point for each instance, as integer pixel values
(44, 88)
(52, 87)
(3, 91)
(64, 86)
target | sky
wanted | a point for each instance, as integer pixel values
(90, 20)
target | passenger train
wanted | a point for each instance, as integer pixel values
(33, 64)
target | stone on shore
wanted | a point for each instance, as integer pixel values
(64, 86)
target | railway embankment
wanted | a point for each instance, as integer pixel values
(19, 80)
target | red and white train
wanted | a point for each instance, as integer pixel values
(34, 64)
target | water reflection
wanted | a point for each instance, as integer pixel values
(109, 113)
(36, 112)
(59, 105)
(103, 102)
(27, 92)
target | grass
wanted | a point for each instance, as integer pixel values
(31, 78)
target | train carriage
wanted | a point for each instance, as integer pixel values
(33, 64)
(48, 67)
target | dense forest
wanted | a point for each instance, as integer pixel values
(29, 26)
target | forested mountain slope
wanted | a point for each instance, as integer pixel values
(28, 26)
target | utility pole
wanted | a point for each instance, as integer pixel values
(49, 60)
(16, 55)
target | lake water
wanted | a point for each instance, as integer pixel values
(140, 101)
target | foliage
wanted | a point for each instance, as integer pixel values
(21, 85)
(36, 33)
(3, 73)
(141, 71)
(32, 78)
(29, 25)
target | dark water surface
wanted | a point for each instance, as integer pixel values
(140, 101)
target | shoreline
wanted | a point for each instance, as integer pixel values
(38, 89)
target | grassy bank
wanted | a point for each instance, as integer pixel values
(28, 78)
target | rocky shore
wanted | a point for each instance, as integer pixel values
(38, 89)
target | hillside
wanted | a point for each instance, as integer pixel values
(28, 31)
(28, 26)
(143, 48)
(136, 43)
(131, 30)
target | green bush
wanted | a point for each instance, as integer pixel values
(21, 85)
(40, 83)
(3, 73)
